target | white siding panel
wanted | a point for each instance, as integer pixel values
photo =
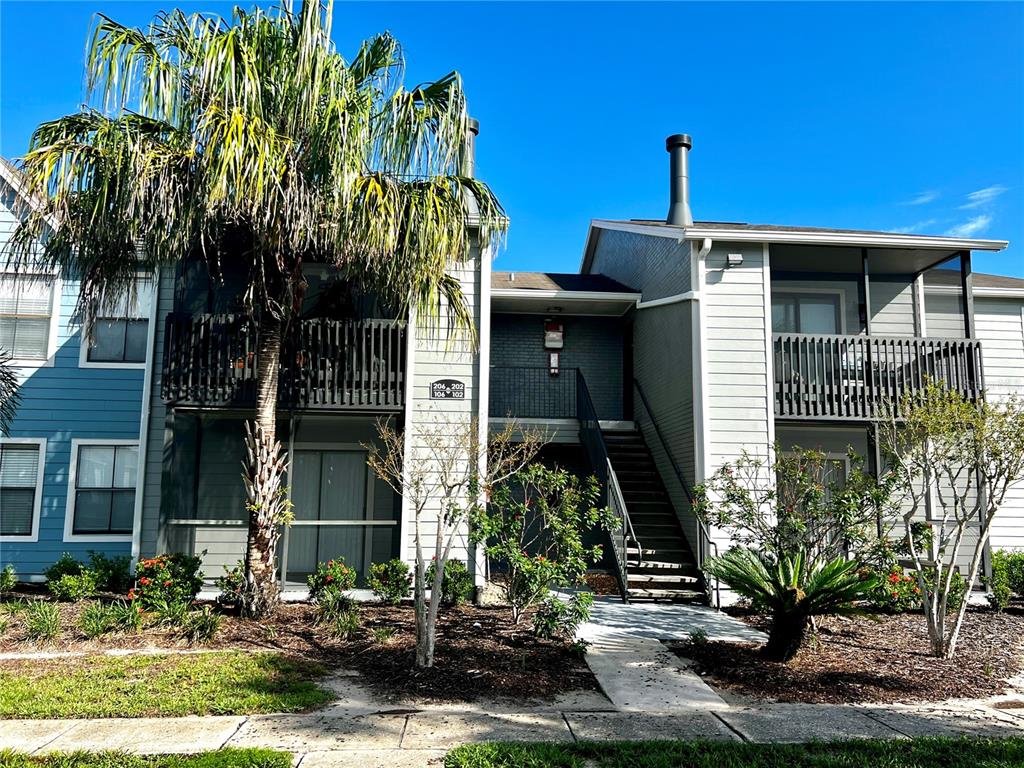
(1000, 326)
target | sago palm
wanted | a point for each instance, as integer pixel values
(254, 138)
(791, 591)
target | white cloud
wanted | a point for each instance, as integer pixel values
(970, 227)
(918, 226)
(923, 198)
(982, 197)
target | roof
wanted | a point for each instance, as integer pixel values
(998, 281)
(557, 281)
(745, 227)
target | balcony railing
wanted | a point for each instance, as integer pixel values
(532, 393)
(853, 377)
(211, 360)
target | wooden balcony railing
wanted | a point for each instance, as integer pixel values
(852, 377)
(210, 360)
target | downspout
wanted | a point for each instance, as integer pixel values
(147, 391)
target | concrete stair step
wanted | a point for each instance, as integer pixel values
(659, 580)
(679, 595)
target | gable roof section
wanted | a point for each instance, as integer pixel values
(778, 233)
(557, 281)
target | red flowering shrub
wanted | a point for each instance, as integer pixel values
(897, 592)
(166, 579)
(330, 578)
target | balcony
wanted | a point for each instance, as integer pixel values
(532, 393)
(853, 377)
(352, 365)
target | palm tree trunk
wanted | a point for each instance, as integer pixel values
(786, 635)
(261, 557)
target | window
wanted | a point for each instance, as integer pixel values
(104, 492)
(26, 307)
(806, 313)
(20, 464)
(121, 332)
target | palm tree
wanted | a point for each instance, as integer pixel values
(10, 397)
(253, 137)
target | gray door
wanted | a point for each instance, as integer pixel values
(328, 491)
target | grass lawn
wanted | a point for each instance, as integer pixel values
(225, 758)
(915, 753)
(223, 683)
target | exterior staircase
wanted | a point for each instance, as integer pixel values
(660, 564)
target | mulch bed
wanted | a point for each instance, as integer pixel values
(479, 652)
(858, 660)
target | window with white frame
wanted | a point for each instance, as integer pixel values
(104, 490)
(26, 309)
(19, 488)
(120, 333)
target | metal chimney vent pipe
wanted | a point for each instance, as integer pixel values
(678, 147)
(469, 164)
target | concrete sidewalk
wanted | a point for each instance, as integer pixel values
(403, 739)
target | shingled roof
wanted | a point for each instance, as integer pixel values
(558, 281)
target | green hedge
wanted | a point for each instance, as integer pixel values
(225, 758)
(913, 753)
(1007, 579)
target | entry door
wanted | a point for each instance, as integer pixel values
(328, 491)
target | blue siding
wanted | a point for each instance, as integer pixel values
(61, 403)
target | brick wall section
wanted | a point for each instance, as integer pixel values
(592, 344)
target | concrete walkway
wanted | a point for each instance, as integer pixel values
(395, 739)
(636, 671)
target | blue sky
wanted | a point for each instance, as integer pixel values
(875, 116)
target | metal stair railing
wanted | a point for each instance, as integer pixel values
(705, 539)
(611, 494)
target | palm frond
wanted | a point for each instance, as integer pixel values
(254, 129)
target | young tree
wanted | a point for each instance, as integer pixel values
(954, 461)
(253, 139)
(446, 475)
(800, 527)
(534, 525)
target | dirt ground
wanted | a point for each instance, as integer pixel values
(859, 660)
(479, 652)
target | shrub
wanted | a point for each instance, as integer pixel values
(534, 526)
(8, 580)
(456, 584)
(346, 624)
(562, 618)
(383, 635)
(169, 613)
(66, 565)
(1007, 580)
(231, 585)
(332, 605)
(200, 626)
(390, 581)
(97, 619)
(5, 622)
(792, 591)
(42, 620)
(332, 577)
(894, 592)
(113, 574)
(126, 616)
(70, 588)
(167, 579)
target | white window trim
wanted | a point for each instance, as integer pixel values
(69, 508)
(83, 344)
(37, 507)
(841, 293)
(56, 297)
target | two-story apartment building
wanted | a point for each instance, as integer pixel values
(678, 345)
(69, 479)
